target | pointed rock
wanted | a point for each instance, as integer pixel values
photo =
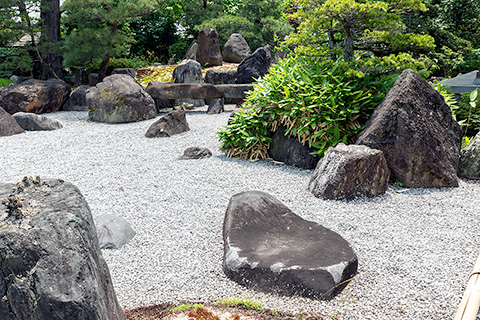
(414, 128)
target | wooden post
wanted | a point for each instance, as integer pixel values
(470, 303)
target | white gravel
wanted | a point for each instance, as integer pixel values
(416, 248)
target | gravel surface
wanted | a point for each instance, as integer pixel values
(416, 248)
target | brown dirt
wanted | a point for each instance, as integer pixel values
(215, 312)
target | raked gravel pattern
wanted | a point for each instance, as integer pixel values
(416, 248)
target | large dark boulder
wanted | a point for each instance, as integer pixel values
(414, 128)
(236, 49)
(348, 172)
(128, 71)
(268, 247)
(208, 50)
(8, 125)
(77, 100)
(470, 160)
(35, 122)
(287, 149)
(51, 266)
(172, 123)
(215, 76)
(35, 96)
(118, 99)
(255, 65)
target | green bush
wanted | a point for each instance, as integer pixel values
(4, 82)
(14, 61)
(178, 50)
(320, 102)
(468, 113)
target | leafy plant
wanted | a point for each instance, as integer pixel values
(448, 96)
(468, 113)
(321, 102)
(241, 302)
(4, 82)
(183, 307)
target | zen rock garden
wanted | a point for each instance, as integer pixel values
(51, 265)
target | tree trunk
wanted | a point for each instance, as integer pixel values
(50, 40)
(331, 44)
(106, 59)
(348, 43)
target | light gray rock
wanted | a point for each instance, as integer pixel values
(469, 166)
(215, 106)
(192, 51)
(113, 232)
(35, 122)
(348, 172)
(270, 248)
(172, 123)
(236, 49)
(50, 261)
(196, 153)
(189, 71)
(119, 99)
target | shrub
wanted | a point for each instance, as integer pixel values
(14, 61)
(178, 50)
(4, 82)
(468, 113)
(320, 102)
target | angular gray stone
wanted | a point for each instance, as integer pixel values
(469, 166)
(236, 49)
(196, 153)
(289, 150)
(50, 260)
(128, 71)
(192, 51)
(81, 78)
(77, 100)
(8, 125)
(208, 51)
(113, 232)
(215, 76)
(414, 128)
(255, 65)
(268, 247)
(35, 96)
(35, 122)
(215, 106)
(348, 172)
(189, 71)
(234, 91)
(172, 123)
(119, 99)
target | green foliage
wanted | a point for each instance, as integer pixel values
(228, 24)
(241, 302)
(183, 307)
(468, 113)
(178, 50)
(321, 102)
(4, 82)
(448, 96)
(14, 61)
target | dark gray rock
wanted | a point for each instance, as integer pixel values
(414, 128)
(35, 122)
(50, 261)
(268, 247)
(128, 71)
(8, 125)
(188, 72)
(236, 49)
(93, 79)
(178, 90)
(77, 100)
(119, 99)
(255, 65)
(470, 160)
(289, 150)
(208, 51)
(215, 106)
(113, 232)
(172, 123)
(234, 91)
(196, 153)
(348, 172)
(81, 78)
(35, 96)
(215, 76)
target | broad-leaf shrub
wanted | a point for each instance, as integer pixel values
(320, 102)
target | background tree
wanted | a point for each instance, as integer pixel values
(50, 58)
(97, 29)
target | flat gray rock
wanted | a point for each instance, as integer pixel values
(196, 153)
(268, 247)
(35, 122)
(113, 232)
(172, 123)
